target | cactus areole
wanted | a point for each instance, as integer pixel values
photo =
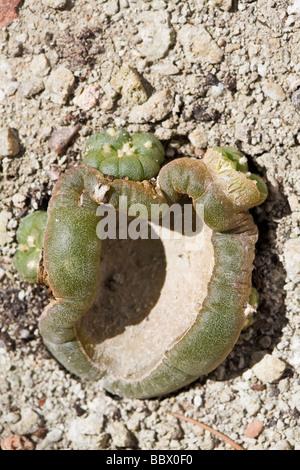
(150, 315)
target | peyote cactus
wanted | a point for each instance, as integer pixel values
(175, 314)
(114, 152)
(30, 237)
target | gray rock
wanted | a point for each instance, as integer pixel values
(30, 88)
(59, 85)
(120, 435)
(86, 432)
(156, 34)
(155, 109)
(198, 45)
(128, 83)
(111, 7)
(296, 98)
(29, 423)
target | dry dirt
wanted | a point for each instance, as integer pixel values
(197, 73)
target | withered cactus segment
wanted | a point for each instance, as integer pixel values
(192, 301)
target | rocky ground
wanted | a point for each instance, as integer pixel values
(198, 73)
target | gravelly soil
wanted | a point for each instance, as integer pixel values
(227, 73)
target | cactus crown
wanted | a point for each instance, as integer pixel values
(114, 152)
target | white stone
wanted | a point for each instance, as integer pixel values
(294, 354)
(88, 98)
(111, 7)
(269, 369)
(294, 203)
(198, 45)
(59, 85)
(165, 68)
(156, 34)
(217, 90)
(292, 258)
(274, 91)
(7, 88)
(56, 4)
(249, 403)
(85, 433)
(40, 66)
(90, 425)
(241, 132)
(9, 142)
(30, 422)
(294, 9)
(18, 200)
(198, 137)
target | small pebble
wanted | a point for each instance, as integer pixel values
(88, 98)
(254, 429)
(59, 85)
(111, 7)
(8, 12)
(40, 66)
(269, 369)
(294, 9)
(198, 137)
(223, 4)
(61, 138)
(128, 83)
(18, 200)
(292, 258)
(4, 218)
(9, 142)
(296, 98)
(156, 34)
(30, 88)
(17, 442)
(155, 109)
(198, 45)
(274, 91)
(56, 4)
(120, 435)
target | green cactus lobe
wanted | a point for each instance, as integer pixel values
(30, 237)
(114, 152)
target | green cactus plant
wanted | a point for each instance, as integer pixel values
(30, 237)
(194, 314)
(114, 152)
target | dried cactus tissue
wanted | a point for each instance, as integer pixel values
(149, 225)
